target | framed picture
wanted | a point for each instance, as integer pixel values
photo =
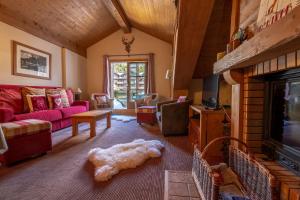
(31, 62)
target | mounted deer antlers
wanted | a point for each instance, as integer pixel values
(127, 43)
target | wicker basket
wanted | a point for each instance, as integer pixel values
(258, 183)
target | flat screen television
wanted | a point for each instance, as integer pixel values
(210, 95)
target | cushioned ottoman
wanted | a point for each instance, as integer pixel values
(26, 138)
(146, 114)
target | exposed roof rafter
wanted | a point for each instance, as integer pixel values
(118, 13)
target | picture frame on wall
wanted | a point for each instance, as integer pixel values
(31, 62)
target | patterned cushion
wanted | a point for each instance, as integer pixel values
(101, 99)
(36, 103)
(70, 96)
(146, 109)
(24, 127)
(55, 101)
(31, 91)
(148, 100)
(62, 93)
(181, 99)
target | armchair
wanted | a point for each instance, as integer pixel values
(172, 117)
(101, 101)
(149, 100)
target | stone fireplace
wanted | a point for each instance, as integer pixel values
(265, 124)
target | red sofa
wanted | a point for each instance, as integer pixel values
(11, 103)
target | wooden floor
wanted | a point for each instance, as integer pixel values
(65, 172)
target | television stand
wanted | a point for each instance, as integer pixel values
(205, 125)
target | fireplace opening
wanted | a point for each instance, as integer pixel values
(282, 118)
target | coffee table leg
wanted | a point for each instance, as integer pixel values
(93, 128)
(108, 120)
(74, 127)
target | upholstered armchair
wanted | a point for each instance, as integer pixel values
(148, 100)
(101, 101)
(173, 117)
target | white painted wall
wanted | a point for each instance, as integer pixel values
(7, 35)
(75, 64)
(76, 72)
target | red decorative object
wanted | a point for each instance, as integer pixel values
(55, 101)
(146, 114)
(37, 103)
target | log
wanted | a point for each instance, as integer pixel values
(278, 39)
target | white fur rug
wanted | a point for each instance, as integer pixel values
(123, 118)
(109, 162)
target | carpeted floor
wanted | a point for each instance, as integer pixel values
(65, 172)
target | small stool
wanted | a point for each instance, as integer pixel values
(26, 138)
(146, 114)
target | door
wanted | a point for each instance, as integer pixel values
(128, 82)
(137, 80)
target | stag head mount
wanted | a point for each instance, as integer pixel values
(127, 43)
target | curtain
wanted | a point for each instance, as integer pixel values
(150, 84)
(106, 76)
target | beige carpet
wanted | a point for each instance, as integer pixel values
(65, 173)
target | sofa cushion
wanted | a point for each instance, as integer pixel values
(31, 91)
(11, 99)
(6, 115)
(63, 94)
(68, 112)
(37, 103)
(70, 95)
(47, 115)
(54, 101)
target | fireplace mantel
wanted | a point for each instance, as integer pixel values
(277, 39)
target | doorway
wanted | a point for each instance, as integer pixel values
(128, 82)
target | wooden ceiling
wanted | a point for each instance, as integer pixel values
(216, 37)
(72, 24)
(155, 17)
(77, 24)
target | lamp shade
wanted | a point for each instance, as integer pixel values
(169, 74)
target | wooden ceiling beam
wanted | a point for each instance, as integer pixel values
(118, 13)
(216, 37)
(193, 18)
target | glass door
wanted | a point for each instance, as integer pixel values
(128, 82)
(137, 80)
(119, 84)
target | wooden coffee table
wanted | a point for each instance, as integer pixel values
(91, 117)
